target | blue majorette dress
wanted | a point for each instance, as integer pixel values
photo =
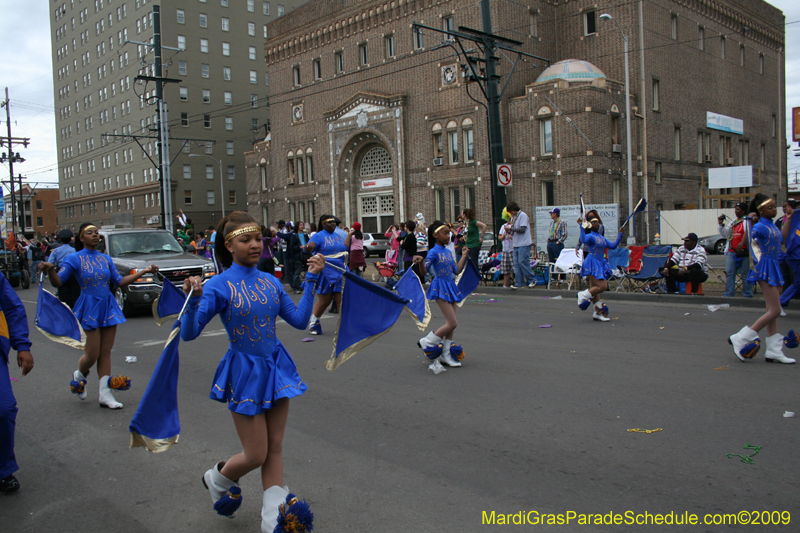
(256, 370)
(332, 246)
(441, 261)
(96, 307)
(766, 247)
(595, 264)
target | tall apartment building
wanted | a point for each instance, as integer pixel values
(220, 104)
(375, 122)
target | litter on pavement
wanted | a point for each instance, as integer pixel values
(788, 414)
(714, 308)
(131, 359)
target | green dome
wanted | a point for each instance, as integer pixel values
(571, 70)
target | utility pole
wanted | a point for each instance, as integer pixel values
(12, 158)
(490, 43)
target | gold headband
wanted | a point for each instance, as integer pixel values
(440, 227)
(90, 226)
(241, 231)
(329, 220)
(765, 202)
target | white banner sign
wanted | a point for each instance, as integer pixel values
(723, 123)
(729, 177)
(380, 182)
(609, 214)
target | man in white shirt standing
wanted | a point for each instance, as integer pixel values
(519, 227)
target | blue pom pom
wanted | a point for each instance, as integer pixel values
(77, 387)
(791, 340)
(603, 311)
(457, 352)
(750, 350)
(584, 305)
(432, 352)
(294, 516)
(230, 503)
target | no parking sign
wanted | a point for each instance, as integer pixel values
(504, 175)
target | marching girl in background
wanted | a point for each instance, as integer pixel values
(257, 376)
(357, 262)
(595, 266)
(766, 246)
(446, 293)
(334, 247)
(97, 311)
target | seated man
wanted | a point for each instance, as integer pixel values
(687, 264)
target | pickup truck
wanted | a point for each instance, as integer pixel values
(135, 249)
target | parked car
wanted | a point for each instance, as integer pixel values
(375, 244)
(488, 243)
(135, 249)
(714, 244)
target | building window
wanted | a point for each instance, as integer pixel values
(263, 177)
(300, 166)
(229, 147)
(182, 68)
(452, 142)
(438, 196)
(231, 197)
(203, 20)
(438, 145)
(253, 100)
(546, 137)
(251, 29)
(38, 205)
(229, 123)
(184, 93)
(658, 173)
(181, 42)
(674, 27)
(418, 41)
(209, 172)
(226, 49)
(206, 96)
(251, 6)
(253, 77)
(265, 31)
(722, 42)
(363, 54)
(388, 42)
(251, 53)
(228, 97)
(590, 22)
(281, 10)
(226, 73)
(296, 75)
(265, 6)
(615, 191)
(226, 24)
(677, 144)
(469, 198)
(701, 38)
(741, 55)
(761, 63)
(656, 95)
(210, 197)
(204, 46)
(774, 126)
(187, 197)
(184, 119)
(254, 124)
(469, 141)
(548, 193)
(187, 172)
(317, 69)
(204, 70)
(310, 166)
(339, 56)
(455, 203)
(181, 16)
(763, 155)
(231, 172)
(533, 22)
(206, 121)
(447, 23)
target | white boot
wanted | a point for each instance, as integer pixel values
(273, 497)
(446, 358)
(430, 345)
(775, 351)
(584, 299)
(745, 343)
(600, 312)
(106, 397)
(219, 487)
(78, 384)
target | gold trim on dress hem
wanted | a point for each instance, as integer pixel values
(152, 445)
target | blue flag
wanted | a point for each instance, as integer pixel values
(169, 303)
(56, 321)
(468, 281)
(367, 312)
(156, 425)
(410, 287)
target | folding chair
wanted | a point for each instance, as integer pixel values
(618, 263)
(568, 265)
(649, 278)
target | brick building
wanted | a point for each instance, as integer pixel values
(39, 207)
(374, 122)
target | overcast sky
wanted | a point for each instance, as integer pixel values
(26, 69)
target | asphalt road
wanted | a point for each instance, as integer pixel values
(537, 419)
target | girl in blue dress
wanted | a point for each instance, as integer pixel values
(334, 246)
(443, 289)
(766, 271)
(257, 376)
(595, 266)
(97, 311)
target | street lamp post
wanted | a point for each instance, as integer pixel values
(221, 181)
(606, 16)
